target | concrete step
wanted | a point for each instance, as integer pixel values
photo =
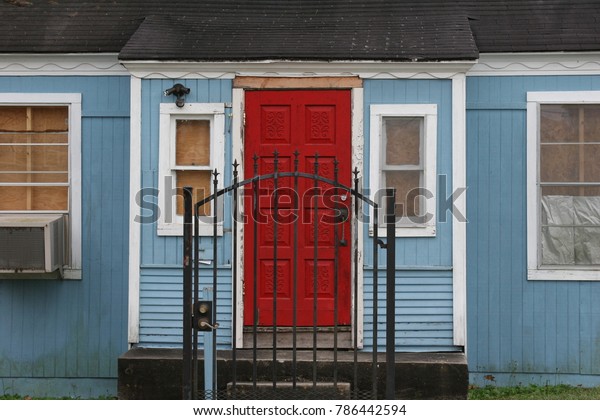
(281, 390)
(305, 339)
(149, 373)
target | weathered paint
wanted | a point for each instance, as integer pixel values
(424, 293)
(161, 294)
(161, 256)
(424, 265)
(76, 329)
(519, 331)
(423, 321)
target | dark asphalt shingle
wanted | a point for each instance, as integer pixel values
(396, 30)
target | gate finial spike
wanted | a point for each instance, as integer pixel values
(356, 172)
(235, 165)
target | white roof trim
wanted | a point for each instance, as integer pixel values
(61, 65)
(283, 68)
(533, 64)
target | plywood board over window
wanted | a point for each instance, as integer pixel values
(192, 150)
(191, 147)
(34, 158)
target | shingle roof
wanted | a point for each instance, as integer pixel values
(303, 35)
(396, 30)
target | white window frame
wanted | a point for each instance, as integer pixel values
(429, 147)
(534, 270)
(73, 102)
(169, 114)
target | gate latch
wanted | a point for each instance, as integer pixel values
(203, 315)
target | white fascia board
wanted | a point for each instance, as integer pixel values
(283, 68)
(106, 64)
(534, 64)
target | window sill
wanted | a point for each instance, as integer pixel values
(563, 275)
(68, 274)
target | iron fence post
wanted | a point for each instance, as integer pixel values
(187, 294)
(390, 221)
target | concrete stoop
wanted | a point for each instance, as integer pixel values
(150, 373)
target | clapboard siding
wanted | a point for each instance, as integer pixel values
(518, 329)
(161, 294)
(161, 256)
(423, 320)
(77, 329)
(424, 295)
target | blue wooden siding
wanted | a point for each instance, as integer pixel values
(518, 330)
(75, 330)
(424, 314)
(424, 265)
(423, 319)
(161, 256)
(161, 294)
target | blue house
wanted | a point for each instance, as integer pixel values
(483, 116)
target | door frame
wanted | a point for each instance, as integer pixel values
(354, 84)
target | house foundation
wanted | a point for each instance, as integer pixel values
(151, 373)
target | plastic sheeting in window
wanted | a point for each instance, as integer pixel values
(570, 233)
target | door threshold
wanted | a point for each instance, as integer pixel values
(305, 337)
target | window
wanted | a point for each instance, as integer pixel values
(403, 156)
(191, 148)
(40, 163)
(564, 185)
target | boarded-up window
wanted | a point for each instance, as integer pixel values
(569, 178)
(192, 160)
(34, 158)
(191, 148)
(402, 163)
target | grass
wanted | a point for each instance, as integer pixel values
(27, 397)
(534, 392)
(528, 392)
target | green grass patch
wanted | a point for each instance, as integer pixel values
(535, 392)
(27, 397)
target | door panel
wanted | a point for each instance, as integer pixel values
(310, 122)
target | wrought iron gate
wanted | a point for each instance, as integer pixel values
(291, 373)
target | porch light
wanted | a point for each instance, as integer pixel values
(179, 91)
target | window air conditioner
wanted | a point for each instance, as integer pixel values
(32, 243)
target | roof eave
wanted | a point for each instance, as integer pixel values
(297, 68)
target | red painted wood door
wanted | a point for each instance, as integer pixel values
(310, 122)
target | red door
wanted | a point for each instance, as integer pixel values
(310, 122)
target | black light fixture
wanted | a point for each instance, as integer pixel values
(179, 91)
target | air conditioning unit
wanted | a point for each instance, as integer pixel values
(32, 243)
